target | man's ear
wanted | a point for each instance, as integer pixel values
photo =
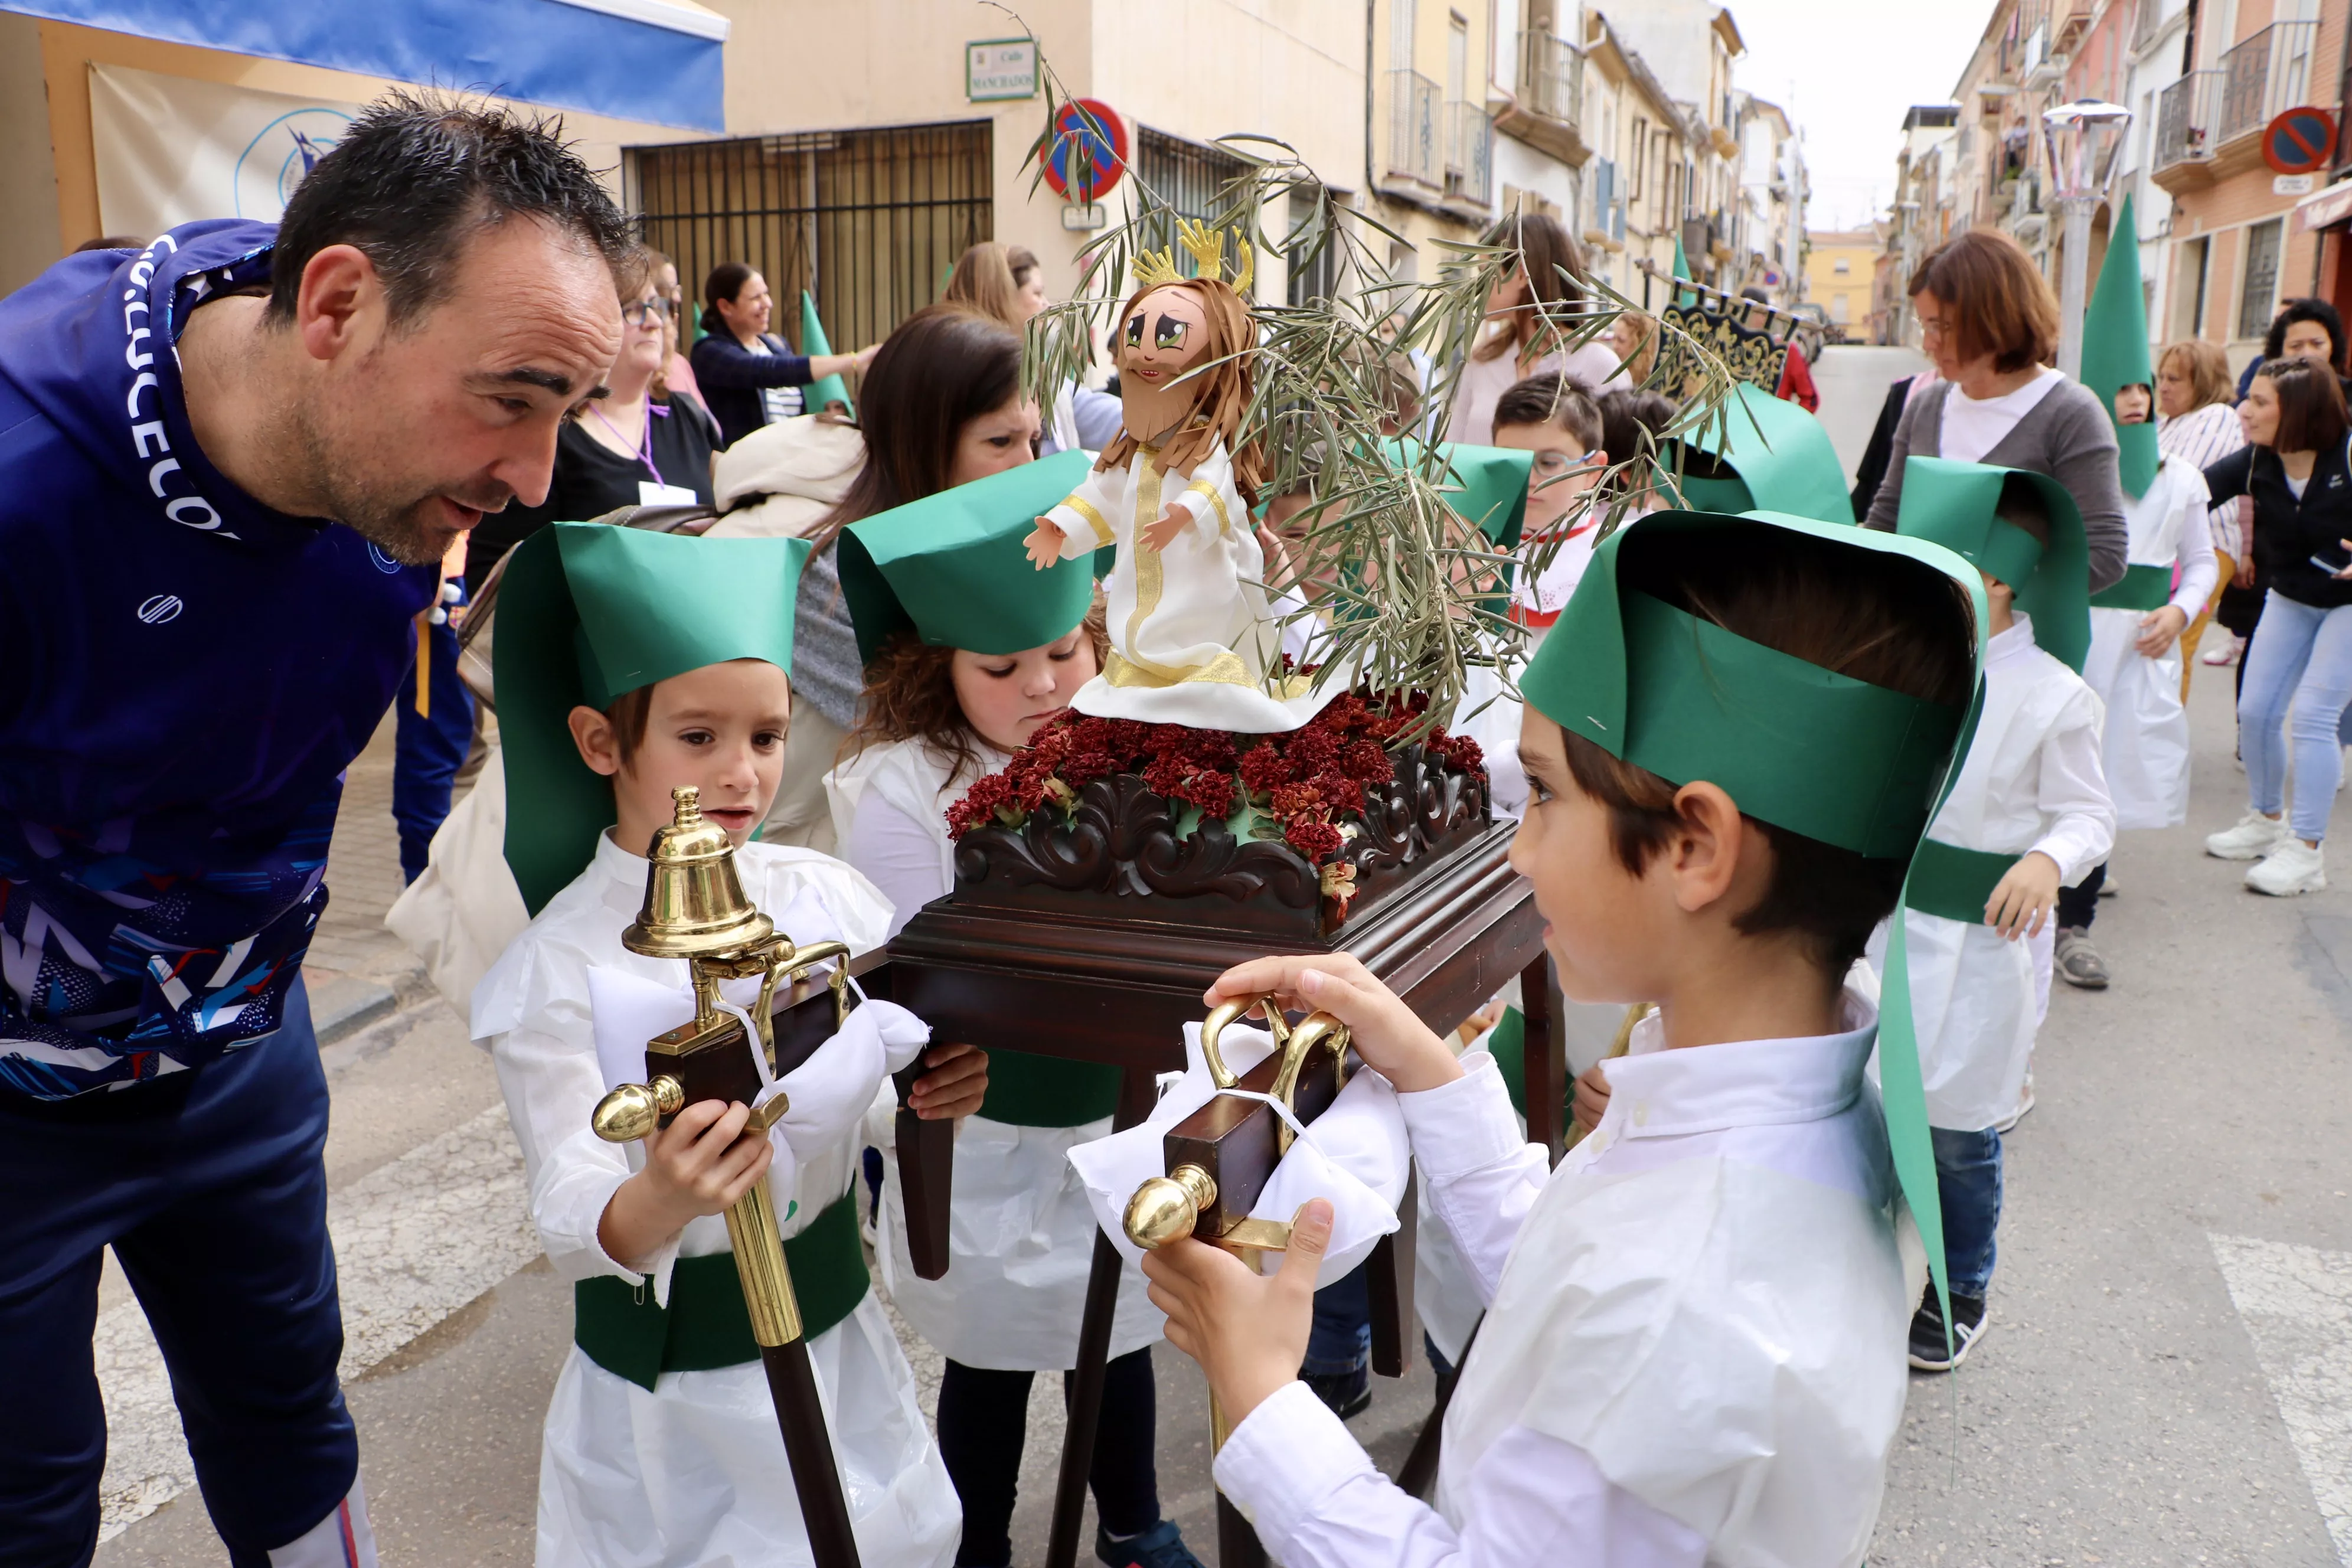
(1703, 857)
(599, 743)
(336, 301)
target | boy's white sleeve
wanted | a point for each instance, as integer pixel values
(1317, 1503)
(1084, 516)
(2073, 792)
(1483, 1174)
(2199, 568)
(551, 1085)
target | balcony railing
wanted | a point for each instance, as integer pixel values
(2072, 17)
(2185, 119)
(1412, 127)
(1469, 152)
(2264, 77)
(1551, 78)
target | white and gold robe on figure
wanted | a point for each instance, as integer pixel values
(1192, 634)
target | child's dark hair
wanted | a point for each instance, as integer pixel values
(1631, 421)
(1552, 398)
(630, 713)
(910, 696)
(1872, 617)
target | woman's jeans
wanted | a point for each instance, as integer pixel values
(2300, 657)
(1968, 1179)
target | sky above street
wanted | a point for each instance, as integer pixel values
(1845, 70)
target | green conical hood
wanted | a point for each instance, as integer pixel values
(588, 611)
(1780, 455)
(952, 567)
(1954, 506)
(1796, 745)
(813, 342)
(2116, 351)
(1487, 485)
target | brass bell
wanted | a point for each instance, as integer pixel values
(693, 904)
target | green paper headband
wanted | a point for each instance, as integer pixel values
(1794, 745)
(2116, 351)
(1779, 457)
(1487, 485)
(587, 612)
(1953, 503)
(952, 567)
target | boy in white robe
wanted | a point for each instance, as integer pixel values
(630, 664)
(2135, 663)
(1692, 1348)
(2029, 816)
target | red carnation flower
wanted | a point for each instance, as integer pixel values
(1341, 793)
(1263, 768)
(1292, 800)
(1213, 793)
(1367, 761)
(1313, 839)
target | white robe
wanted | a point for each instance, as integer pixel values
(1693, 1353)
(692, 1473)
(2146, 742)
(1193, 636)
(2031, 781)
(1020, 1234)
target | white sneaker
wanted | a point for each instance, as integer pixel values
(2255, 836)
(2292, 867)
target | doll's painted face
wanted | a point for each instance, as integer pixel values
(1165, 335)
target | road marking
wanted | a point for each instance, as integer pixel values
(2297, 1304)
(414, 1240)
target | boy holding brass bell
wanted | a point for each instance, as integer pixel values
(1693, 1345)
(643, 702)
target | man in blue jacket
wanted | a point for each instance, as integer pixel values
(228, 466)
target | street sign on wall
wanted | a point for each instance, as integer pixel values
(2299, 142)
(995, 69)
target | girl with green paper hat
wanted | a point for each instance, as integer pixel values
(2135, 662)
(629, 664)
(1691, 1353)
(967, 652)
(2029, 816)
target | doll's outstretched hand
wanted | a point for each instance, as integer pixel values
(1045, 544)
(1387, 1033)
(1248, 1330)
(1171, 528)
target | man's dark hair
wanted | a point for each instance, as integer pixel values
(416, 176)
(2318, 311)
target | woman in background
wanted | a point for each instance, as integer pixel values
(1005, 281)
(751, 376)
(1532, 316)
(2195, 423)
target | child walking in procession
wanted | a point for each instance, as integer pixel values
(2135, 662)
(2029, 816)
(1690, 1353)
(968, 651)
(629, 664)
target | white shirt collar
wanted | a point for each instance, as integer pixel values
(1657, 1093)
(2009, 644)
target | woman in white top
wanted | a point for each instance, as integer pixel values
(2197, 422)
(1532, 316)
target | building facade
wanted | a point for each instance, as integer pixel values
(1840, 267)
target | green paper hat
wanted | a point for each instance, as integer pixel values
(1487, 485)
(813, 342)
(587, 612)
(952, 567)
(1952, 504)
(1796, 745)
(2115, 350)
(1780, 458)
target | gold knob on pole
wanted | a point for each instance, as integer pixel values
(632, 1111)
(1166, 1208)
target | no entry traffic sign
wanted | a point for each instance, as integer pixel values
(2299, 142)
(1094, 126)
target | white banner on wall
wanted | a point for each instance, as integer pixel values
(171, 149)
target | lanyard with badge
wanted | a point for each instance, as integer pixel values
(653, 491)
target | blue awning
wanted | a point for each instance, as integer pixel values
(651, 60)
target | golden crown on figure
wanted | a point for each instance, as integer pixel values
(1151, 267)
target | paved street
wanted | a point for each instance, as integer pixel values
(2165, 1382)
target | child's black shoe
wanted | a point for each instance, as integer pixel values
(1161, 1546)
(1929, 1352)
(1346, 1393)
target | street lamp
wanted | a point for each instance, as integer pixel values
(2085, 138)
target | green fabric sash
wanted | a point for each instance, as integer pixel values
(1029, 1090)
(2143, 588)
(1508, 1046)
(621, 1328)
(1953, 882)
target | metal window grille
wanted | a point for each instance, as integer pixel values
(2254, 298)
(1195, 180)
(870, 222)
(1315, 277)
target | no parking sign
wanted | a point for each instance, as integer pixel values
(1094, 126)
(2299, 142)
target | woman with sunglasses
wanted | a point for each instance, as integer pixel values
(643, 443)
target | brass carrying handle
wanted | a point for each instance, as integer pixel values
(1215, 1024)
(1166, 1208)
(1293, 1042)
(795, 962)
(632, 1111)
